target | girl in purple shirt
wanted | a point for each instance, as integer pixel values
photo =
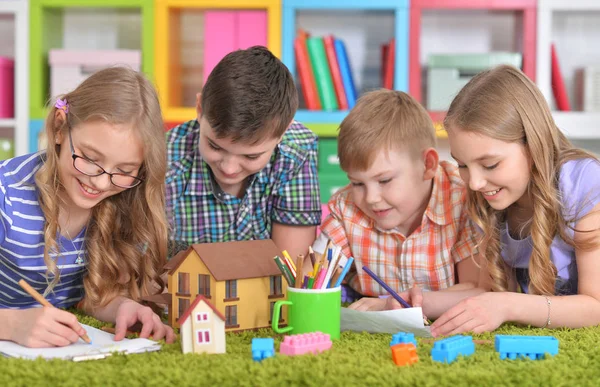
(536, 200)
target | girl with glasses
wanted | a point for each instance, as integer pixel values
(84, 220)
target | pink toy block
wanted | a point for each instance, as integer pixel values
(301, 344)
(219, 38)
(251, 29)
(7, 87)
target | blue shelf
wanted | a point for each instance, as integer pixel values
(346, 4)
(401, 33)
(35, 127)
(321, 117)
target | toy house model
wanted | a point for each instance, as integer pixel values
(240, 279)
(202, 328)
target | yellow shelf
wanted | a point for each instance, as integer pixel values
(167, 44)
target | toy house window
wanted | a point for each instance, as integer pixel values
(184, 283)
(184, 304)
(231, 315)
(230, 289)
(202, 317)
(275, 285)
(203, 336)
(204, 285)
(271, 308)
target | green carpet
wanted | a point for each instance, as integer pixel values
(357, 359)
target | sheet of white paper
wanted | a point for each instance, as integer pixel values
(102, 344)
(389, 321)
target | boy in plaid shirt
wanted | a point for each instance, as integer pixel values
(403, 214)
(244, 169)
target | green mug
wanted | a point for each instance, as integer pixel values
(310, 310)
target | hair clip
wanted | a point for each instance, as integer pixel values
(62, 105)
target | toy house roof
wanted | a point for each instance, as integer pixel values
(189, 310)
(233, 260)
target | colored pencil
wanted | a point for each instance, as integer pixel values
(311, 254)
(386, 287)
(337, 259)
(326, 248)
(330, 270)
(39, 298)
(321, 277)
(391, 292)
(284, 271)
(287, 256)
(335, 276)
(299, 267)
(344, 272)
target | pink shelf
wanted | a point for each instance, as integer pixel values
(528, 9)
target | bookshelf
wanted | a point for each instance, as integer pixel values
(571, 25)
(89, 24)
(181, 47)
(442, 26)
(14, 15)
(343, 18)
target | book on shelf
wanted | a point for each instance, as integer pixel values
(346, 73)
(318, 59)
(305, 72)
(336, 75)
(389, 64)
(558, 83)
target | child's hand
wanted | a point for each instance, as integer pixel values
(481, 313)
(130, 312)
(414, 297)
(369, 304)
(44, 327)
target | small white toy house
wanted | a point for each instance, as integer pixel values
(202, 328)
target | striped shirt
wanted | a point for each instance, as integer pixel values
(425, 258)
(22, 241)
(285, 191)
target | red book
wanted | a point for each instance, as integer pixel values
(384, 54)
(388, 78)
(305, 71)
(558, 84)
(334, 67)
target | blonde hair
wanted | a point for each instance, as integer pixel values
(126, 236)
(504, 104)
(382, 120)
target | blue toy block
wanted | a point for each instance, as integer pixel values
(403, 337)
(447, 350)
(533, 347)
(262, 348)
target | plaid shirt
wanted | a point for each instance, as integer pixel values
(425, 258)
(286, 191)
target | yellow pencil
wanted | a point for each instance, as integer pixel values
(39, 298)
(287, 256)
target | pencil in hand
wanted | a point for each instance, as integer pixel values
(39, 298)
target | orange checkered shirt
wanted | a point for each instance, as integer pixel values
(426, 258)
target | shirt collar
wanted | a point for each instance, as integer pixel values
(437, 210)
(200, 181)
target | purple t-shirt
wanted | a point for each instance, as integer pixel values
(579, 188)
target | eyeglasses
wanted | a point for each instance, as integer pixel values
(90, 168)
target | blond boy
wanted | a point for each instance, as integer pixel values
(403, 213)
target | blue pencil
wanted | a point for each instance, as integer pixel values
(386, 287)
(344, 272)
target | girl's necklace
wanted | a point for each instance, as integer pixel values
(79, 259)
